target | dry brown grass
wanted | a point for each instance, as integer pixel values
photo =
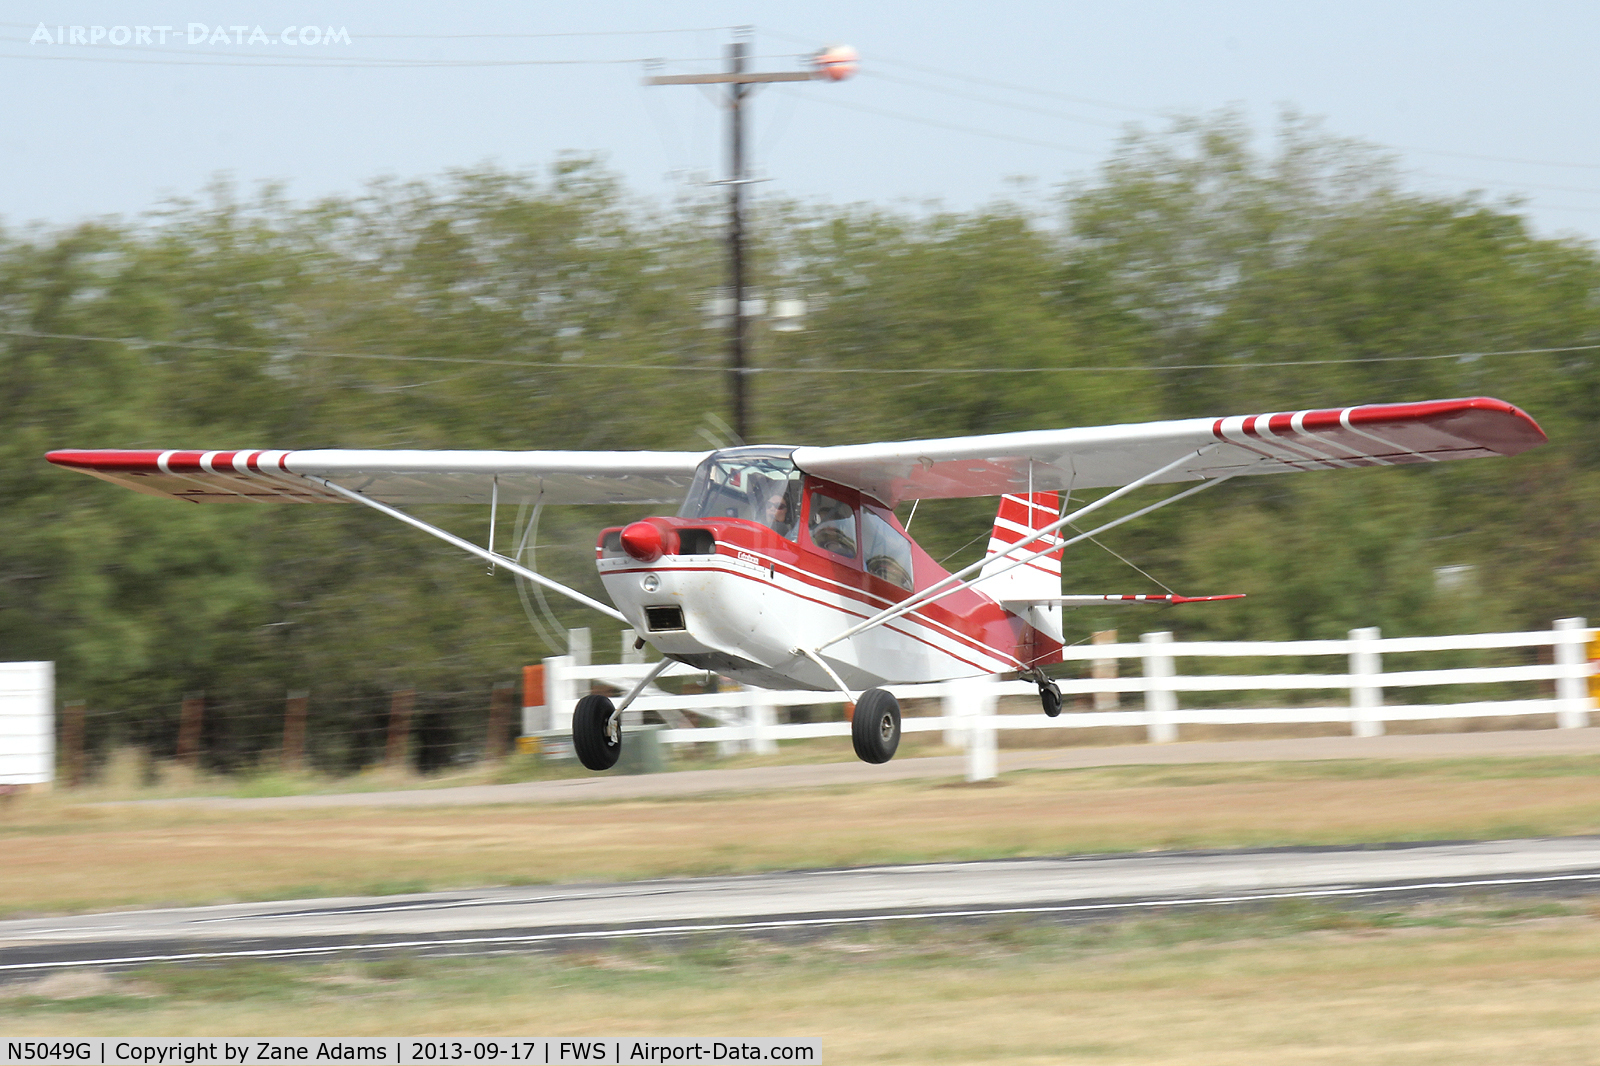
(1519, 993)
(63, 857)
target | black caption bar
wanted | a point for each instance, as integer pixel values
(400, 1051)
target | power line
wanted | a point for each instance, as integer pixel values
(1158, 112)
(530, 36)
(178, 57)
(335, 64)
(992, 134)
(1509, 184)
(474, 36)
(959, 94)
(801, 370)
(987, 82)
(378, 62)
(300, 58)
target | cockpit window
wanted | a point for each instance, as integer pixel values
(833, 525)
(888, 552)
(756, 486)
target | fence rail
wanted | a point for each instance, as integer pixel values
(747, 719)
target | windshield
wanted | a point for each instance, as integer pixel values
(756, 485)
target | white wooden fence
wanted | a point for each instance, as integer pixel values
(27, 724)
(747, 718)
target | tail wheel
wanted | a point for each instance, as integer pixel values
(593, 737)
(1050, 699)
(875, 729)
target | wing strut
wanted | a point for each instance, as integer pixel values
(467, 546)
(954, 581)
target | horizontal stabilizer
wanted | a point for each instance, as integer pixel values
(1096, 601)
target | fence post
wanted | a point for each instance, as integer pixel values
(579, 645)
(955, 732)
(500, 698)
(72, 743)
(763, 717)
(727, 717)
(1366, 694)
(400, 704)
(1160, 701)
(974, 701)
(189, 729)
(294, 730)
(560, 692)
(1572, 693)
(1105, 670)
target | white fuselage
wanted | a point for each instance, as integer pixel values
(745, 613)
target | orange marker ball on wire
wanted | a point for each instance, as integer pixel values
(836, 62)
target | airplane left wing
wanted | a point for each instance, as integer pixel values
(1151, 598)
(1104, 456)
(395, 477)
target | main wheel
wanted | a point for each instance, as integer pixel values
(1050, 698)
(875, 729)
(592, 738)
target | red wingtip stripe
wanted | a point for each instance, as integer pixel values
(110, 460)
(149, 461)
(1387, 433)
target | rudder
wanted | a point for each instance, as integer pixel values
(1018, 516)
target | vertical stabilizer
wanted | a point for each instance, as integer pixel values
(1019, 516)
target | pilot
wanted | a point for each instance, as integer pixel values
(780, 515)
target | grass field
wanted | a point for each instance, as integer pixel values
(61, 855)
(1486, 982)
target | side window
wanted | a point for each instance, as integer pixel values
(833, 525)
(888, 554)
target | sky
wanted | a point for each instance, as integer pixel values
(956, 104)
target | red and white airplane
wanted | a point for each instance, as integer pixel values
(786, 567)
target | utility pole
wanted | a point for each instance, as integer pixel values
(833, 64)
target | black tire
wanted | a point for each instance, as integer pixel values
(1050, 698)
(595, 748)
(875, 728)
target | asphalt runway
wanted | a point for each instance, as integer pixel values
(493, 921)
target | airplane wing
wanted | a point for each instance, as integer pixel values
(1106, 456)
(1154, 599)
(396, 477)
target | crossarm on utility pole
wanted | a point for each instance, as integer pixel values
(954, 581)
(467, 546)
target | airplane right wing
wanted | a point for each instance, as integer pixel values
(395, 477)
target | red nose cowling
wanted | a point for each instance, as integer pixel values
(643, 541)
